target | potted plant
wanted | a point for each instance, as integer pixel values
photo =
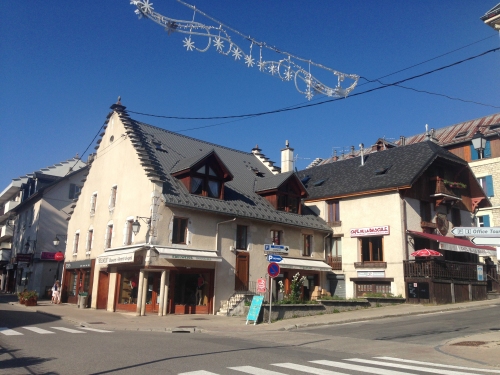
(22, 299)
(455, 185)
(30, 297)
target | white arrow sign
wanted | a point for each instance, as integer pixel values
(486, 241)
(476, 231)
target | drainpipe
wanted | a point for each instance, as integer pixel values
(405, 226)
(217, 251)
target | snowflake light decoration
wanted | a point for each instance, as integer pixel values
(286, 68)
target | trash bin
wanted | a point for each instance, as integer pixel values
(82, 300)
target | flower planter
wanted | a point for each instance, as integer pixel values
(31, 302)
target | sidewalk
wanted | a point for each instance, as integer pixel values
(483, 347)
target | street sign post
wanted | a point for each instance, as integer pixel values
(276, 248)
(476, 231)
(486, 241)
(273, 269)
(274, 258)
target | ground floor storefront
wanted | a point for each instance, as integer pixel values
(77, 279)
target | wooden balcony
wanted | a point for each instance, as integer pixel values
(440, 269)
(334, 262)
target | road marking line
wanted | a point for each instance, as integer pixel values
(38, 330)
(94, 329)
(407, 367)
(368, 369)
(436, 364)
(201, 372)
(308, 369)
(68, 330)
(9, 332)
(255, 370)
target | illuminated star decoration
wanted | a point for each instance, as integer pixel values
(217, 34)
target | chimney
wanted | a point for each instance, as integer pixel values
(352, 152)
(335, 157)
(402, 140)
(362, 151)
(287, 158)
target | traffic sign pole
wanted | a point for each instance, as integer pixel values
(270, 299)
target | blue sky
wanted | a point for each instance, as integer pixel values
(64, 63)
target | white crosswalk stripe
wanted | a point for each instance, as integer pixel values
(67, 330)
(9, 332)
(437, 364)
(39, 330)
(95, 329)
(377, 365)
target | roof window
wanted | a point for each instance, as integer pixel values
(462, 134)
(319, 183)
(382, 171)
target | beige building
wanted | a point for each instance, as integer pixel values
(384, 206)
(170, 224)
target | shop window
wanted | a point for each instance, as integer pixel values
(75, 243)
(191, 289)
(112, 198)
(486, 183)
(333, 211)
(93, 203)
(372, 249)
(307, 242)
(179, 232)
(72, 282)
(241, 237)
(109, 236)
(276, 237)
(127, 292)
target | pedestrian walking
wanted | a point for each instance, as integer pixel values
(56, 293)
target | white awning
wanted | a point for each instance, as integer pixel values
(304, 264)
(119, 255)
(182, 254)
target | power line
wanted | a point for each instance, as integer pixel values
(296, 107)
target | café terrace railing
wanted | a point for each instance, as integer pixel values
(441, 269)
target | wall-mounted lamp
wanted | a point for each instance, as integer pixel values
(136, 225)
(56, 240)
(479, 143)
(27, 246)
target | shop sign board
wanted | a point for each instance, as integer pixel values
(480, 273)
(253, 312)
(476, 231)
(113, 259)
(486, 241)
(370, 231)
(79, 264)
(371, 273)
(276, 248)
(47, 255)
(26, 258)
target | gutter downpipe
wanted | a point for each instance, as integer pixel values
(405, 226)
(218, 253)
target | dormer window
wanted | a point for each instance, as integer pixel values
(283, 191)
(203, 175)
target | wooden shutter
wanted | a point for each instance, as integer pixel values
(489, 186)
(486, 220)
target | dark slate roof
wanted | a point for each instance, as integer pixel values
(392, 168)
(240, 199)
(187, 163)
(272, 182)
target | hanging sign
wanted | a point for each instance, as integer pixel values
(58, 256)
(261, 285)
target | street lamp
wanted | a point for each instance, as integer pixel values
(479, 143)
(27, 245)
(136, 225)
(56, 240)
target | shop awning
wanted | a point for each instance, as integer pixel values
(182, 254)
(456, 244)
(304, 264)
(119, 255)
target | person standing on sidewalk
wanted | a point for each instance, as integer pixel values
(56, 293)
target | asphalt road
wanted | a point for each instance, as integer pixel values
(32, 343)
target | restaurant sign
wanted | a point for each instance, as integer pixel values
(370, 231)
(113, 259)
(371, 273)
(21, 258)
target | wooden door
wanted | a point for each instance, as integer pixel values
(102, 290)
(241, 271)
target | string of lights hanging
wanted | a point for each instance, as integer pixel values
(219, 37)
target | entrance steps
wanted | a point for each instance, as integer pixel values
(493, 295)
(228, 306)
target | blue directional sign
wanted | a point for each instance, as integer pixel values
(273, 269)
(276, 248)
(274, 258)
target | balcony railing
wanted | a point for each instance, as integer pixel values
(441, 188)
(370, 264)
(334, 262)
(440, 269)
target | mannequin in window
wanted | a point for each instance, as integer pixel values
(199, 289)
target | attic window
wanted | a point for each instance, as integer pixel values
(494, 127)
(462, 134)
(257, 172)
(382, 171)
(319, 183)
(305, 180)
(158, 145)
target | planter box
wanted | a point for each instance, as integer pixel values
(332, 305)
(31, 302)
(381, 301)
